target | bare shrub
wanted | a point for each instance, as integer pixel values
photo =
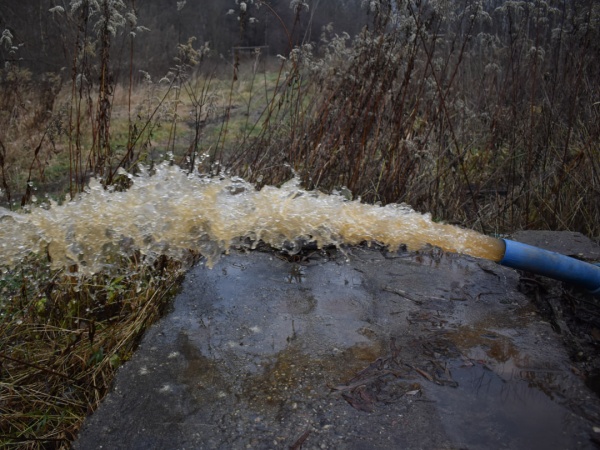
(482, 115)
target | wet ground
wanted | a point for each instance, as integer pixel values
(361, 349)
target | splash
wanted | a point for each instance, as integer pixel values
(169, 212)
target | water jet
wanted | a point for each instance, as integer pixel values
(171, 212)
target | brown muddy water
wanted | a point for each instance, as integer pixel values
(167, 211)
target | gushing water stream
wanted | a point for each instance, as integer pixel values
(170, 212)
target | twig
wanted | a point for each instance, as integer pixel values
(402, 294)
(298, 444)
(35, 366)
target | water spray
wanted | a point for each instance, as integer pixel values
(171, 212)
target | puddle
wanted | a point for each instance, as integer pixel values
(515, 413)
(510, 386)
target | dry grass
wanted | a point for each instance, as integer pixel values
(63, 337)
(445, 110)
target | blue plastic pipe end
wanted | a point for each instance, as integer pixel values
(551, 264)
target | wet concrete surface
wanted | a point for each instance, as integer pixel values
(356, 350)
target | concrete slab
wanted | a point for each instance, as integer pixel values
(566, 242)
(355, 350)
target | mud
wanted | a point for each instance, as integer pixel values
(361, 349)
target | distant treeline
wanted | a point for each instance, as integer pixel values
(44, 34)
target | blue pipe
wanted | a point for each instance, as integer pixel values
(551, 264)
